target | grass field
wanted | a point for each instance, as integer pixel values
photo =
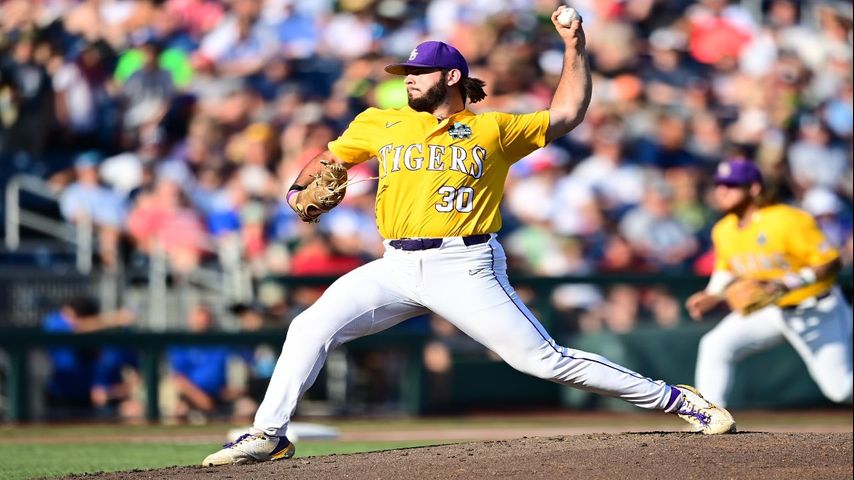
(21, 461)
(44, 451)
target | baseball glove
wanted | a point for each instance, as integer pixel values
(323, 194)
(747, 296)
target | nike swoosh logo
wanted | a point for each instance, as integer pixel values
(475, 271)
(391, 124)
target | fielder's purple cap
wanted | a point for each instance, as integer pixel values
(737, 172)
(432, 54)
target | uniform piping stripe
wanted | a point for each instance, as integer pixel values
(548, 340)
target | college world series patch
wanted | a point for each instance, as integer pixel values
(459, 131)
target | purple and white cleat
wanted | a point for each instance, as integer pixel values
(704, 416)
(251, 448)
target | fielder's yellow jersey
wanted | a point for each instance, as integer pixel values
(440, 178)
(778, 239)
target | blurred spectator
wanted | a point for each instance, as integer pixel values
(833, 220)
(814, 141)
(351, 33)
(706, 141)
(148, 90)
(161, 221)
(254, 151)
(226, 34)
(82, 87)
(112, 21)
(619, 185)
(116, 384)
(87, 200)
(28, 111)
(718, 30)
(126, 172)
(666, 75)
(655, 233)
(296, 32)
(199, 373)
(253, 47)
(667, 149)
(225, 215)
(688, 207)
(102, 380)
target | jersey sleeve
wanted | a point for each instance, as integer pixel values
(808, 244)
(521, 134)
(355, 145)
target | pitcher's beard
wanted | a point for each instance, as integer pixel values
(431, 99)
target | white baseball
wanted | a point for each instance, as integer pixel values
(567, 16)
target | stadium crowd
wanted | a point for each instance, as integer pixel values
(183, 122)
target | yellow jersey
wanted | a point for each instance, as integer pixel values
(778, 239)
(440, 178)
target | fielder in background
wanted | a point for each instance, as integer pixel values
(777, 272)
(442, 173)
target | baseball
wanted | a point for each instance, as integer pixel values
(567, 16)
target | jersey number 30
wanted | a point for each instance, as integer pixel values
(459, 199)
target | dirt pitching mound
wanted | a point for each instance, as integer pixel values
(635, 456)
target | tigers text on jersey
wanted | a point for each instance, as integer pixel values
(440, 178)
(778, 239)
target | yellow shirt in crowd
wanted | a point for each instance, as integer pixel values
(440, 178)
(778, 239)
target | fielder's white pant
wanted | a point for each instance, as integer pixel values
(467, 286)
(820, 331)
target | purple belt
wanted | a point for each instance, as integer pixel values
(412, 244)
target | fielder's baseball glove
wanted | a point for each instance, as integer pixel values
(747, 296)
(323, 194)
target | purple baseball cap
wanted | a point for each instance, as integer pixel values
(432, 54)
(737, 172)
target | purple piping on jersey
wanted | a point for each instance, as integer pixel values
(522, 311)
(675, 393)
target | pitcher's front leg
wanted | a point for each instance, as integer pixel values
(360, 303)
(364, 301)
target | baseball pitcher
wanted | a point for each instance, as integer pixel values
(442, 171)
(777, 272)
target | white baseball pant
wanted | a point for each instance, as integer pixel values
(468, 286)
(820, 331)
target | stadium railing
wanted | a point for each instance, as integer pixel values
(16, 216)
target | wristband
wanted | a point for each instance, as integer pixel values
(292, 191)
(718, 282)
